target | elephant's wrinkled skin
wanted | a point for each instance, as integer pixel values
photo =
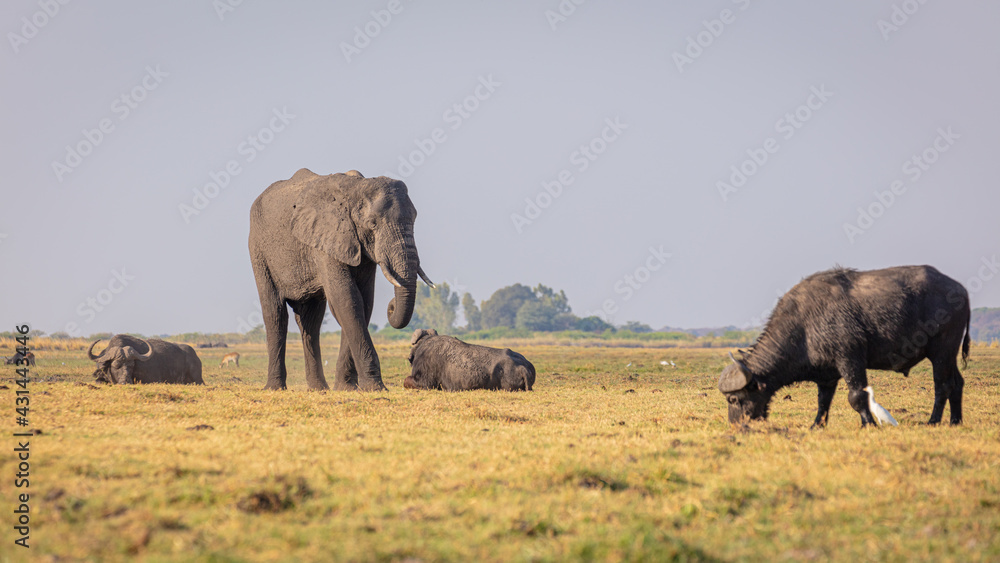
(316, 240)
(445, 362)
(128, 359)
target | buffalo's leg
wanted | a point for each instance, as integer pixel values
(955, 400)
(854, 373)
(948, 387)
(309, 316)
(825, 398)
(942, 391)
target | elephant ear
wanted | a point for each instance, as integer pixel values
(321, 219)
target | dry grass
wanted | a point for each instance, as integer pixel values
(601, 462)
(9, 345)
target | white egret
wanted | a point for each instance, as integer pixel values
(878, 411)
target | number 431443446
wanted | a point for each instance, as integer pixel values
(23, 350)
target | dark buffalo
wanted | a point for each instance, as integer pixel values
(837, 324)
(128, 359)
(445, 362)
(17, 357)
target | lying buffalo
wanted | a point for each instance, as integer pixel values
(837, 324)
(128, 359)
(445, 362)
(28, 358)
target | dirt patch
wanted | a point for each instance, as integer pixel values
(499, 416)
(284, 494)
(588, 479)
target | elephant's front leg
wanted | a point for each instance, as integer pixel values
(346, 378)
(358, 365)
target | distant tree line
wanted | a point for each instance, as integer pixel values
(985, 324)
(538, 309)
(515, 307)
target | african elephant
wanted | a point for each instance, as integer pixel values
(128, 359)
(316, 240)
(445, 362)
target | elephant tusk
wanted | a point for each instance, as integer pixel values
(423, 276)
(391, 279)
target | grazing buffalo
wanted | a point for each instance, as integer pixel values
(445, 362)
(128, 359)
(838, 323)
(17, 357)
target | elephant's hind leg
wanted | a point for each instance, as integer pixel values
(275, 315)
(309, 316)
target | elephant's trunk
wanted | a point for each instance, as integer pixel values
(401, 266)
(401, 306)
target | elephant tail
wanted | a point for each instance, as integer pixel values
(527, 380)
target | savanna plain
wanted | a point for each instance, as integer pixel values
(603, 461)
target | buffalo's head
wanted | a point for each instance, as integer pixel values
(421, 333)
(102, 376)
(747, 396)
(421, 381)
(116, 364)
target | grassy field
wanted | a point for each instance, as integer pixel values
(603, 461)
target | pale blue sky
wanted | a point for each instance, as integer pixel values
(198, 86)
